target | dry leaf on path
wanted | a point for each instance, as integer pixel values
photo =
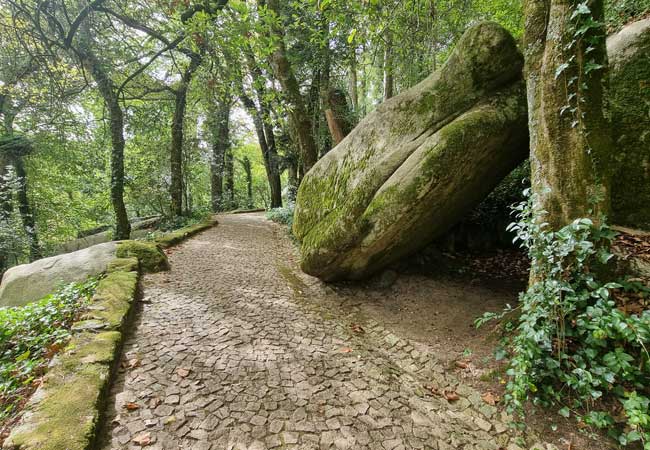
(356, 328)
(462, 364)
(490, 398)
(131, 406)
(143, 439)
(346, 350)
(183, 372)
(451, 396)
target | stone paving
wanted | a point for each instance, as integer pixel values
(235, 348)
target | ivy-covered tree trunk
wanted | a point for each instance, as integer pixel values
(570, 139)
(298, 114)
(220, 125)
(178, 121)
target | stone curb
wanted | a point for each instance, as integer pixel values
(176, 237)
(65, 411)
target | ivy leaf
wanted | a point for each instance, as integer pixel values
(561, 68)
(352, 35)
(564, 412)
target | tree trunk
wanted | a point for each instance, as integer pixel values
(338, 115)
(176, 154)
(220, 142)
(107, 89)
(389, 79)
(298, 115)
(569, 135)
(229, 165)
(352, 81)
(26, 213)
(264, 129)
(248, 171)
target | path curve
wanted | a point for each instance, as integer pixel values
(235, 348)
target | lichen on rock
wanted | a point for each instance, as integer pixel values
(417, 163)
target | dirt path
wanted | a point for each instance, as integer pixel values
(235, 348)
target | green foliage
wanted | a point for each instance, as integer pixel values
(31, 334)
(572, 347)
(282, 215)
(620, 12)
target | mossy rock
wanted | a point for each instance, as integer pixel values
(113, 298)
(418, 163)
(176, 237)
(150, 256)
(629, 55)
(123, 265)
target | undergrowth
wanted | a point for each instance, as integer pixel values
(571, 345)
(283, 215)
(30, 335)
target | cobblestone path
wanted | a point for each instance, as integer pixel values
(235, 348)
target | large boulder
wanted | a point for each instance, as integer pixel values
(418, 163)
(629, 57)
(29, 282)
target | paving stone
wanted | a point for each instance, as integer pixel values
(240, 350)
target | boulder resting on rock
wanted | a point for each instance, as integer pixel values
(418, 163)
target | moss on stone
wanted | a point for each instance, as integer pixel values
(113, 298)
(64, 415)
(150, 256)
(123, 265)
(176, 237)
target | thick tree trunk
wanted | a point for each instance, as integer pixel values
(569, 135)
(298, 116)
(220, 124)
(176, 153)
(26, 213)
(108, 91)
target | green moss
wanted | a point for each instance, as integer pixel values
(113, 297)
(66, 415)
(90, 348)
(150, 256)
(123, 265)
(176, 237)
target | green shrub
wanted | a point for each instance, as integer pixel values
(282, 215)
(31, 334)
(572, 347)
(620, 12)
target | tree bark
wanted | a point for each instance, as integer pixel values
(248, 171)
(338, 115)
(26, 213)
(229, 165)
(389, 79)
(264, 128)
(220, 124)
(108, 91)
(298, 115)
(176, 153)
(568, 148)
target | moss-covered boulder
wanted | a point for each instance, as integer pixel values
(149, 255)
(418, 163)
(629, 56)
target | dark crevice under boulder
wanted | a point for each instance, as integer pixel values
(418, 163)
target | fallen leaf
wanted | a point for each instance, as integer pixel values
(451, 396)
(131, 406)
(490, 398)
(154, 402)
(462, 364)
(356, 328)
(133, 363)
(183, 372)
(434, 390)
(346, 350)
(143, 439)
